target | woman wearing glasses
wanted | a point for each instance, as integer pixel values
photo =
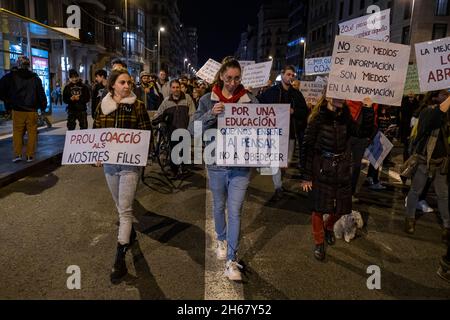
(121, 109)
(228, 184)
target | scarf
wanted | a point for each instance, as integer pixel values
(239, 92)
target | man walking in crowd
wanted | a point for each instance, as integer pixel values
(285, 93)
(147, 91)
(178, 107)
(100, 87)
(163, 84)
(22, 92)
(76, 96)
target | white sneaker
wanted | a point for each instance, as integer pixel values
(221, 250)
(232, 270)
(423, 205)
(377, 186)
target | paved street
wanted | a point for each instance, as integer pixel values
(62, 216)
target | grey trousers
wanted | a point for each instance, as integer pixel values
(440, 187)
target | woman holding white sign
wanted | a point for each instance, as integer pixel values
(228, 184)
(121, 109)
(325, 164)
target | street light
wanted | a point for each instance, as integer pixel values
(270, 58)
(303, 42)
(184, 64)
(159, 47)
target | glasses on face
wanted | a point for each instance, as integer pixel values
(122, 82)
(230, 79)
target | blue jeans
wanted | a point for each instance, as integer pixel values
(122, 181)
(228, 185)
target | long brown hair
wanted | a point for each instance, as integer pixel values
(227, 62)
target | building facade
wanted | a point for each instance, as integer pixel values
(298, 23)
(272, 38)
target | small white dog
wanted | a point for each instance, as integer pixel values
(347, 225)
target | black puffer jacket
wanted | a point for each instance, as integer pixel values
(22, 90)
(328, 133)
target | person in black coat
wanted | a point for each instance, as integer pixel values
(284, 93)
(326, 163)
(76, 95)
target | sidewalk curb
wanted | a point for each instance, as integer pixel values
(30, 169)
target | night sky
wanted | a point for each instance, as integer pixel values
(219, 24)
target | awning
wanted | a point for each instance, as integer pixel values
(16, 25)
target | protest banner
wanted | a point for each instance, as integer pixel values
(108, 145)
(312, 90)
(245, 63)
(256, 75)
(378, 150)
(316, 66)
(433, 64)
(374, 26)
(209, 70)
(253, 135)
(366, 68)
(412, 81)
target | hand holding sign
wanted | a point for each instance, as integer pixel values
(218, 108)
(367, 102)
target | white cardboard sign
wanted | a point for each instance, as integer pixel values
(253, 135)
(367, 68)
(209, 70)
(433, 64)
(256, 75)
(312, 90)
(108, 145)
(374, 26)
(317, 66)
(378, 150)
(245, 63)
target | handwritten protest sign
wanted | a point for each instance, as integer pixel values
(317, 66)
(367, 68)
(374, 26)
(253, 135)
(312, 90)
(209, 70)
(256, 75)
(412, 80)
(245, 63)
(110, 145)
(433, 64)
(378, 150)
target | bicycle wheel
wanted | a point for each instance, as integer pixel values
(163, 151)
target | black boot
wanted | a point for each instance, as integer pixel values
(319, 252)
(329, 237)
(132, 236)
(120, 267)
(410, 225)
